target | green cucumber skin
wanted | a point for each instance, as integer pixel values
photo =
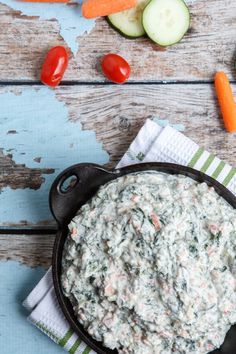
(122, 33)
(170, 45)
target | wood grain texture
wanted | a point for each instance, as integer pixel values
(116, 113)
(32, 250)
(209, 46)
(18, 176)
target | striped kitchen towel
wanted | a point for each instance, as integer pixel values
(153, 143)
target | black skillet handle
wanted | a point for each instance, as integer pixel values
(87, 178)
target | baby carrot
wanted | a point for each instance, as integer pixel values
(226, 101)
(96, 8)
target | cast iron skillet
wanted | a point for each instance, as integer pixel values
(64, 205)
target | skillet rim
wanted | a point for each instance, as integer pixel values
(60, 238)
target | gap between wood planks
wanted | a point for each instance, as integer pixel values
(99, 83)
(36, 230)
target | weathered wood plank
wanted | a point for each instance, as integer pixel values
(209, 46)
(117, 113)
(32, 250)
(47, 140)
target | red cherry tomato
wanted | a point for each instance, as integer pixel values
(115, 68)
(54, 66)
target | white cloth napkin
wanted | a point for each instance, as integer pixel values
(153, 143)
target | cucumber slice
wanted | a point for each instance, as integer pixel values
(166, 21)
(129, 22)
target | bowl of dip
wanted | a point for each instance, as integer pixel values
(143, 260)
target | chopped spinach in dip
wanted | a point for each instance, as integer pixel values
(149, 265)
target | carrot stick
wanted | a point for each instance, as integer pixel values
(226, 100)
(55, 1)
(96, 8)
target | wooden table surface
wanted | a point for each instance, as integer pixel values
(89, 119)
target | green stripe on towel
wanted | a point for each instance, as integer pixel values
(86, 350)
(47, 331)
(228, 178)
(196, 157)
(218, 170)
(75, 346)
(62, 342)
(207, 163)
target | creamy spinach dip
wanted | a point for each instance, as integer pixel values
(149, 265)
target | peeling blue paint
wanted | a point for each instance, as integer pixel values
(17, 335)
(72, 23)
(165, 122)
(42, 130)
